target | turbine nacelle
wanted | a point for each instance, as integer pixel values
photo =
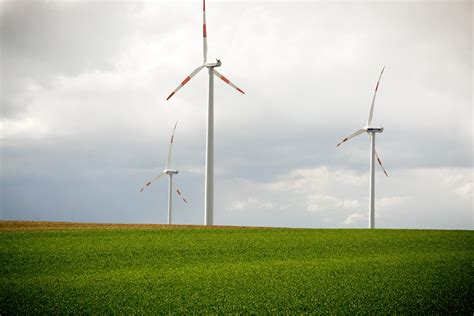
(213, 65)
(373, 129)
(170, 171)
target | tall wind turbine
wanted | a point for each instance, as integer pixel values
(371, 130)
(209, 175)
(170, 173)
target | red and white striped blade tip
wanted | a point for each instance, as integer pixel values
(186, 80)
(380, 163)
(342, 141)
(172, 93)
(172, 135)
(381, 73)
(226, 80)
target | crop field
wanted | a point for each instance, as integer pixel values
(147, 269)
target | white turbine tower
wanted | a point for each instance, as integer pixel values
(170, 173)
(371, 130)
(209, 175)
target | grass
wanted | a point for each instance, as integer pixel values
(61, 268)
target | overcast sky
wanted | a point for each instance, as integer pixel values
(84, 121)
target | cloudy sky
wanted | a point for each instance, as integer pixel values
(84, 121)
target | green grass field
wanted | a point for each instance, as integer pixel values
(234, 270)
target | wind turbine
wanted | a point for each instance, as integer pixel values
(170, 173)
(209, 175)
(371, 130)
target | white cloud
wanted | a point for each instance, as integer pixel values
(392, 202)
(318, 202)
(26, 127)
(356, 218)
(251, 204)
(340, 197)
(195, 169)
(310, 189)
(461, 184)
(466, 190)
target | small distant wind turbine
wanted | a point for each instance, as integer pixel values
(209, 175)
(170, 173)
(371, 130)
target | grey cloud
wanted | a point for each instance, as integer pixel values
(41, 40)
(87, 123)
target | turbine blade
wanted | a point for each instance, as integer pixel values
(204, 31)
(180, 194)
(171, 145)
(380, 163)
(151, 181)
(373, 99)
(351, 136)
(185, 81)
(227, 81)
